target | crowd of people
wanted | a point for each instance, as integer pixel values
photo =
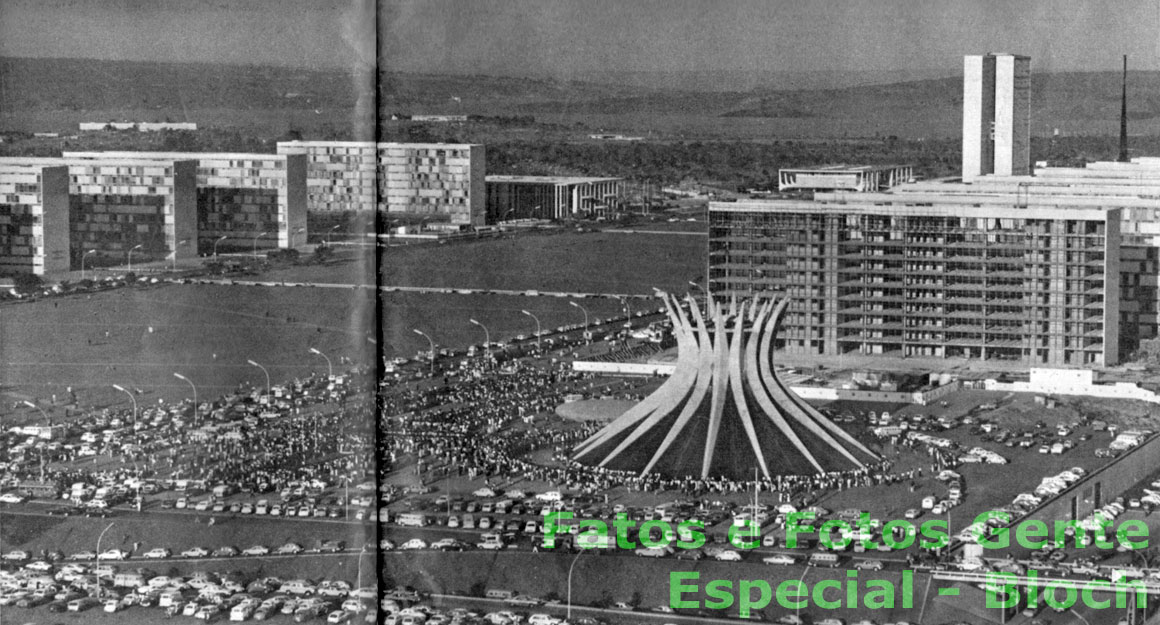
(471, 428)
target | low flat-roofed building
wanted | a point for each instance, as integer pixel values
(34, 219)
(147, 206)
(550, 197)
(442, 181)
(240, 196)
(860, 178)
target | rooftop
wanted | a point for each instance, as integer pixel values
(548, 179)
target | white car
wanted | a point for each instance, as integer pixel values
(290, 548)
(11, 498)
(414, 543)
(113, 554)
(196, 552)
(158, 553)
(779, 559)
(256, 550)
(728, 556)
(484, 492)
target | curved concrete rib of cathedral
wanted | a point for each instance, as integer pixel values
(724, 410)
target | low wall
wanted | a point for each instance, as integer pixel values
(623, 368)
(1103, 485)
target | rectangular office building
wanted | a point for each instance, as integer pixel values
(33, 219)
(996, 115)
(146, 208)
(924, 275)
(550, 197)
(245, 201)
(442, 181)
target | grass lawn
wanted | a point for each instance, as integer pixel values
(138, 338)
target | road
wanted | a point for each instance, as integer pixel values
(421, 289)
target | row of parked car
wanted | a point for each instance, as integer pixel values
(159, 553)
(205, 595)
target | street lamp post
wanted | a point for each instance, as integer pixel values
(568, 617)
(583, 310)
(431, 342)
(486, 334)
(179, 243)
(260, 235)
(83, 256)
(528, 313)
(99, 537)
(331, 231)
(267, 375)
(131, 398)
(329, 367)
(486, 341)
(627, 308)
(129, 255)
(47, 419)
(191, 385)
(216, 241)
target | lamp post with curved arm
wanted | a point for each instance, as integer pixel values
(260, 235)
(486, 340)
(583, 310)
(99, 537)
(430, 342)
(216, 241)
(329, 367)
(179, 243)
(574, 561)
(131, 398)
(528, 313)
(265, 372)
(83, 256)
(191, 385)
(129, 256)
(44, 414)
(330, 232)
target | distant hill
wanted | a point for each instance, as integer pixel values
(53, 94)
(76, 84)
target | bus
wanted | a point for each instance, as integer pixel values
(411, 519)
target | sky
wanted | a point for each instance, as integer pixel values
(562, 38)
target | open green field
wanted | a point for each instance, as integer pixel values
(139, 338)
(601, 262)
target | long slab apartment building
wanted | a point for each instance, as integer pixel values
(442, 181)
(33, 219)
(927, 276)
(158, 205)
(245, 201)
(111, 207)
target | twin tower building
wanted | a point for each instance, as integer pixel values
(110, 208)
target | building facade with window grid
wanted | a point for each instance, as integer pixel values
(34, 213)
(437, 180)
(926, 276)
(241, 196)
(116, 205)
(550, 197)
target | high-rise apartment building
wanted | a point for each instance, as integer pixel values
(442, 181)
(244, 200)
(996, 115)
(117, 206)
(33, 219)
(928, 275)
